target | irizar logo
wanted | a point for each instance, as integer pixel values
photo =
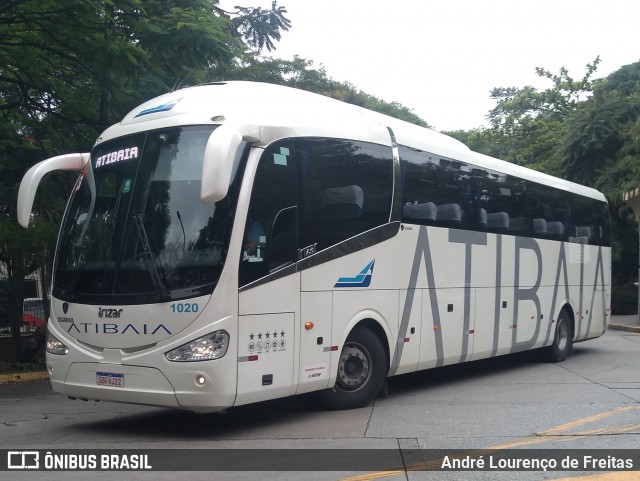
(109, 313)
(361, 280)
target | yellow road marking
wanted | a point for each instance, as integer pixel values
(378, 475)
(587, 420)
(630, 428)
(550, 435)
(619, 476)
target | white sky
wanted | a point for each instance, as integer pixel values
(442, 58)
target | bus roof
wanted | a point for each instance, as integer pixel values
(281, 112)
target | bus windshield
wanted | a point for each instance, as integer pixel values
(136, 230)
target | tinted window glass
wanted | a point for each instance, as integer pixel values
(436, 190)
(346, 189)
(269, 237)
(590, 222)
(550, 211)
(502, 201)
(444, 192)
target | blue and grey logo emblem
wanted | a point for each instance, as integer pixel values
(361, 280)
(160, 108)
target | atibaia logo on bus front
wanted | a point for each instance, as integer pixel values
(361, 280)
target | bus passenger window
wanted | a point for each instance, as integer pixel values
(269, 233)
(435, 190)
(345, 189)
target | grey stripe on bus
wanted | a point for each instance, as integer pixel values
(422, 251)
(468, 238)
(349, 246)
(526, 294)
(520, 294)
(562, 264)
(581, 305)
(496, 319)
(354, 244)
(599, 269)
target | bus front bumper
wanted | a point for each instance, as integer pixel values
(136, 385)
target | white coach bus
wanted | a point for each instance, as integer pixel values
(237, 242)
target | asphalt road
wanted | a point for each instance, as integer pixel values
(589, 402)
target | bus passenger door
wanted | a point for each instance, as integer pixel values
(269, 284)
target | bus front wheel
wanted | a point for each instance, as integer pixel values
(362, 370)
(562, 341)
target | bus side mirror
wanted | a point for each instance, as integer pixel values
(31, 180)
(219, 156)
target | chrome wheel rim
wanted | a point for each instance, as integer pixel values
(354, 367)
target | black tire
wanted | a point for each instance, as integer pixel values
(362, 371)
(562, 341)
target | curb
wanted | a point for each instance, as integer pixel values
(624, 327)
(24, 377)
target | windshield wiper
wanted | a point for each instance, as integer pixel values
(156, 280)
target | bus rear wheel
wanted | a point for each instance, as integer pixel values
(562, 341)
(362, 370)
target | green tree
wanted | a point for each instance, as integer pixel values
(587, 131)
(88, 62)
(301, 73)
(601, 146)
(527, 124)
(259, 27)
(70, 68)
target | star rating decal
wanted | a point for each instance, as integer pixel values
(278, 344)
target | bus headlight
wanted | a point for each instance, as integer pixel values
(55, 346)
(205, 348)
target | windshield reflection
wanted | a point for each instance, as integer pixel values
(136, 230)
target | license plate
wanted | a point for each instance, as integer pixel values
(110, 379)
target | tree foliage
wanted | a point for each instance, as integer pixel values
(259, 27)
(527, 124)
(601, 146)
(587, 131)
(70, 68)
(301, 73)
